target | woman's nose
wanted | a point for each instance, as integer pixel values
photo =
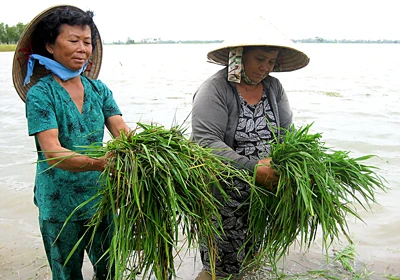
(265, 66)
(81, 46)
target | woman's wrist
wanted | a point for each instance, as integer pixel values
(96, 164)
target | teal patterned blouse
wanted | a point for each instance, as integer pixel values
(48, 105)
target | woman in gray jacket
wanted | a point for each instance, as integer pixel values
(236, 112)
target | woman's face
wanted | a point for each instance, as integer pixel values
(258, 63)
(72, 47)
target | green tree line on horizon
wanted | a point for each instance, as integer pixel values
(11, 34)
(363, 41)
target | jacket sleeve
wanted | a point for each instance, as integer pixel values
(210, 119)
(284, 110)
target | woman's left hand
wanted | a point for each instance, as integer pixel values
(266, 175)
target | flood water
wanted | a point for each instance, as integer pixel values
(350, 92)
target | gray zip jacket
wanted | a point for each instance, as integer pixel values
(215, 115)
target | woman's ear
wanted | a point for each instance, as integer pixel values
(49, 48)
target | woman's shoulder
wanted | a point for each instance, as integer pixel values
(94, 84)
(218, 80)
(273, 84)
(45, 81)
(272, 80)
(220, 75)
(44, 85)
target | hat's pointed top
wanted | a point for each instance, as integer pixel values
(260, 32)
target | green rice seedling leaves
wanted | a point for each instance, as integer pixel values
(346, 257)
(392, 277)
(158, 188)
(317, 190)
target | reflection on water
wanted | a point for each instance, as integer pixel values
(349, 91)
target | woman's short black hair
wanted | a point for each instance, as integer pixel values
(49, 28)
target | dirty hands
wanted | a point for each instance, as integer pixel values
(266, 175)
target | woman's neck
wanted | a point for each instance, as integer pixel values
(74, 80)
(251, 93)
(249, 87)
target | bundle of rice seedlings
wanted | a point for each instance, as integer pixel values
(158, 189)
(318, 189)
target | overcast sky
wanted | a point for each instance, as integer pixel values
(209, 19)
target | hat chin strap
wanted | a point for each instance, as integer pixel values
(236, 68)
(248, 81)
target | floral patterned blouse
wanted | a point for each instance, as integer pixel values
(255, 128)
(49, 106)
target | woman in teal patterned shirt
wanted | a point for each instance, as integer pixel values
(67, 109)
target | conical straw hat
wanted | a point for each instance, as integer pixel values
(259, 32)
(24, 50)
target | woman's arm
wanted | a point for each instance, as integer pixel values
(211, 116)
(284, 110)
(115, 124)
(63, 158)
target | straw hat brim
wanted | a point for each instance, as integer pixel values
(23, 51)
(290, 59)
(259, 32)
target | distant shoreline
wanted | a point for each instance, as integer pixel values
(12, 47)
(316, 40)
(346, 41)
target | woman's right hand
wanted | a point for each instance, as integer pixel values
(265, 174)
(98, 164)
